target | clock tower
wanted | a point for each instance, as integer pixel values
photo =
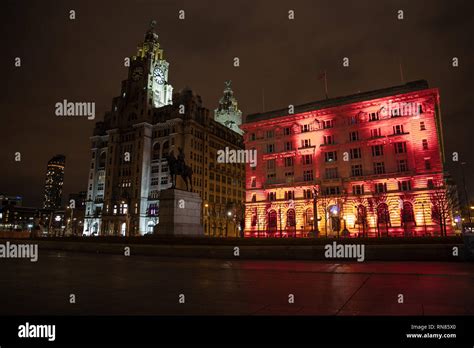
(149, 71)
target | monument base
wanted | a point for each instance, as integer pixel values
(180, 214)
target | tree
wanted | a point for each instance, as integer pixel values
(440, 206)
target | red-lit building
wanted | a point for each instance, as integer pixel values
(371, 162)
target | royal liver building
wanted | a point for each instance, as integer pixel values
(128, 148)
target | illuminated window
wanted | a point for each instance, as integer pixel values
(290, 218)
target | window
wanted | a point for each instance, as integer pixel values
(404, 185)
(305, 128)
(328, 124)
(427, 164)
(331, 173)
(289, 195)
(330, 156)
(377, 150)
(254, 198)
(164, 180)
(307, 194)
(422, 126)
(288, 161)
(398, 129)
(355, 153)
(356, 170)
(376, 132)
(402, 165)
(288, 146)
(306, 143)
(373, 116)
(395, 112)
(270, 148)
(328, 139)
(308, 175)
(154, 181)
(155, 169)
(253, 182)
(379, 168)
(271, 164)
(252, 137)
(425, 144)
(380, 187)
(354, 136)
(290, 218)
(332, 190)
(307, 159)
(270, 134)
(358, 189)
(272, 196)
(420, 109)
(287, 131)
(400, 147)
(271, 176)
(289, 174)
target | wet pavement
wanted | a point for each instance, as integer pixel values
(140, 285)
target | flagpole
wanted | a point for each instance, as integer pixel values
(401, 73)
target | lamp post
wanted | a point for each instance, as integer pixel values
(424, 216)
(315, 212)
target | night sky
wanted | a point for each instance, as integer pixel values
(82, 60)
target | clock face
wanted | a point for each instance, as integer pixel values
(137, 73)
(159, 76)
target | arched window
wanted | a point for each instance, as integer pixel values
(407, 213)
(361, 214)
(290, 218)
(308, 217)
(383, 214)
(156, 152)
(272, 219)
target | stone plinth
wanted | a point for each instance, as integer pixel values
(180, 213)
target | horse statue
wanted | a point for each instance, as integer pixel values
(177, 166)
